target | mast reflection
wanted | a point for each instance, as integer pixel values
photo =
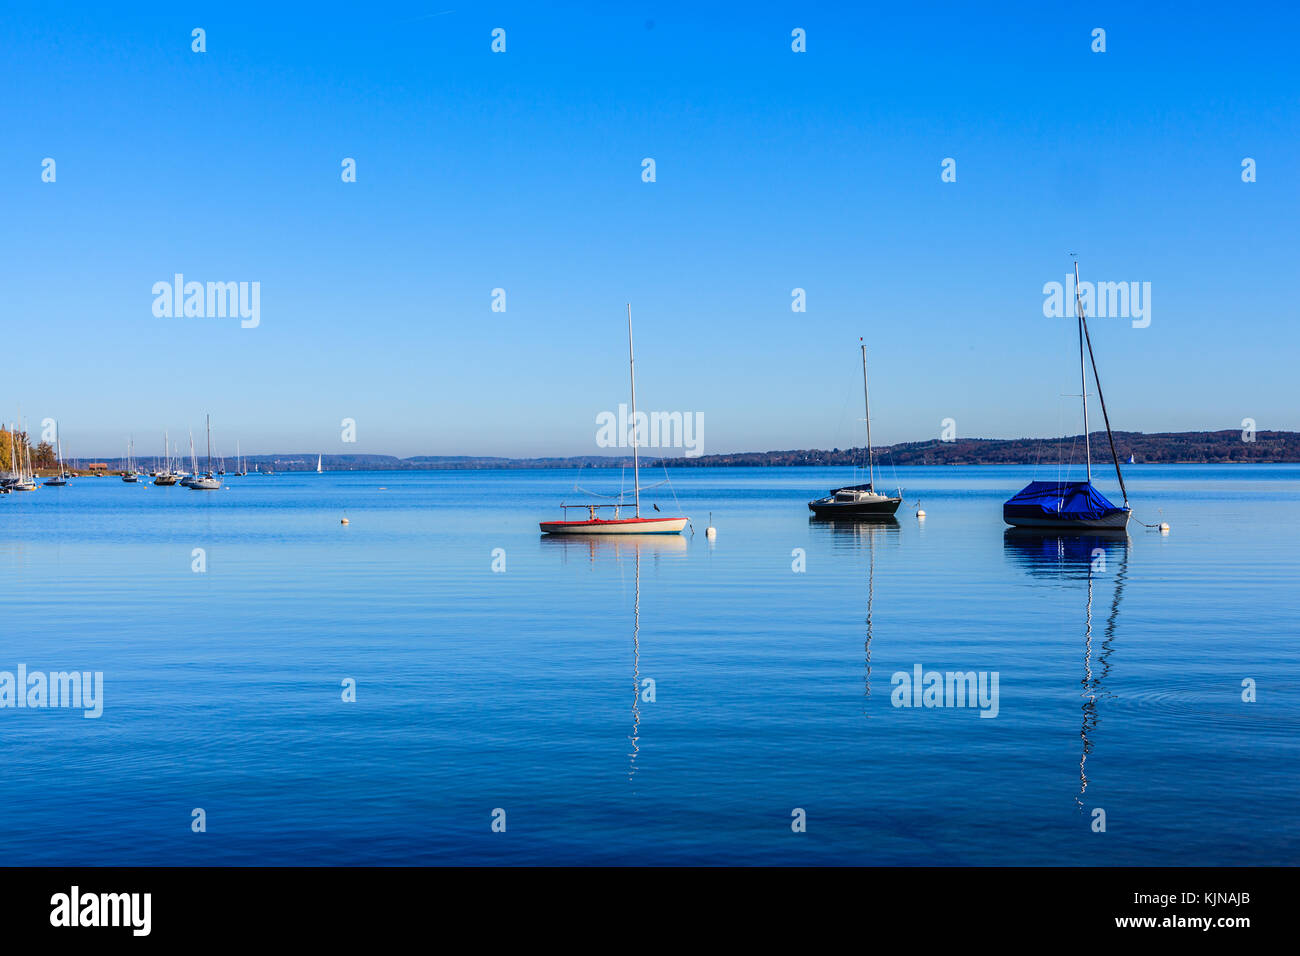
(617, 549)
(853, 533)
(1087, 558)
(635, 736)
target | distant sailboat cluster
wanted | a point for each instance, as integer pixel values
(169, 469)
(21, 477)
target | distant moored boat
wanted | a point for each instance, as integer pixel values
(859, 501)
(61, 479)
(167, 476)
(130, 475)
(209, 481)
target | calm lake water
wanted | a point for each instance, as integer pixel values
(1120, 670)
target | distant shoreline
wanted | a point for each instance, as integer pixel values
(1164, 448)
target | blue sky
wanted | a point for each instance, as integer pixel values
(522, 171)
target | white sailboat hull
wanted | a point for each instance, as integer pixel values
(616, 526)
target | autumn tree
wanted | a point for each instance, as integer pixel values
(8, 445)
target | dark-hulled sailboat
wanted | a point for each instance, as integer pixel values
(859, 501)
(1073, 504)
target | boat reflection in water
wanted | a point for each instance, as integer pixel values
(620, 549)
(612, 547)
(853, 531)
(859, 533)
(1089, 559)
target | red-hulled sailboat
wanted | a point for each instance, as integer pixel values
(618, 524)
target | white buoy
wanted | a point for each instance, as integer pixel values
(710, 532)
(344, 521)
(1164, 527)
(920, 513)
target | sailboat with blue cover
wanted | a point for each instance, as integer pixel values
(1073, 505)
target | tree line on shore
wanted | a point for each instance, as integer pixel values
(15, 445)
(1218, 447)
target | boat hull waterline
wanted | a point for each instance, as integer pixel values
(880, 506)
(616, 526)
(1117, 521)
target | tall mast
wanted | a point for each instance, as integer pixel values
(866, 400)
(1083, 377)
(1105, 416)
(209, 442)
(631, 369)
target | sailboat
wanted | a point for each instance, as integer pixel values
(61, 479)
(859, 501)
(221, 461)
(618, 524)
(1073, 504)
(187, 480)
(129, 474)
(318, 461)
(167, 476)
(209, 482)
(240, 470)
(20, 461)
(31, 472)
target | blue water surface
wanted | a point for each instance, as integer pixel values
(770, 653)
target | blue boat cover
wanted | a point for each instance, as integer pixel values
(1067, 500)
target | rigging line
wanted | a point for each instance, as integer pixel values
(839, 427)
(621, 494)
(1105, 417)
(667, 481)
(889, 453)
(1143, 523)
(597, 494)
(1038, 457)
